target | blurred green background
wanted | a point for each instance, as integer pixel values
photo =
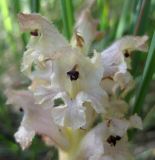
(116, 18)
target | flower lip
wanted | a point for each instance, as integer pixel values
(113, 139)
(73, 74)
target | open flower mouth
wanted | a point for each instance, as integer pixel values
(112, 140)
(126, 53)
(34, 33)
(73, 74)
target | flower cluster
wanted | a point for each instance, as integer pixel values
(69, 91)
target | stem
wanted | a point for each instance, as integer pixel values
(142, 18)
(67, 17)
(35, 5)
(146, 78)
(140, 27)
(122, 22)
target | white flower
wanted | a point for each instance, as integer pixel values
(45, 41)
(72, 75)
(116, 57)
(37, 120)
(108, 141)
(113, 57)
(87, 88)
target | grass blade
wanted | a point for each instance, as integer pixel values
(104, 14)
(146, 78)
(139, 29)
(67, 17)
(7, 23)
(142, 18)
(17, 9)
(123, 19)
(35, 5)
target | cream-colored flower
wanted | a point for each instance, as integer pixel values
(100, 144)
(108, 140)
(114, 57)
(46, 41)
(86, 88)
(116, 60)
(37, 120)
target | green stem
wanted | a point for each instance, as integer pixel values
(8, 25)
(146, 78)
(103, 7)
(67, 17)
(139, 29)
(123, 18)
(142, 19)
(35, 5)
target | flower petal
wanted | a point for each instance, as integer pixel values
(136, 122)
(86, 28)
(45, 45)
(119, 127)
(113, 56)
(36, 118)
(24, 137)
(92, 146)
(72, 114)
